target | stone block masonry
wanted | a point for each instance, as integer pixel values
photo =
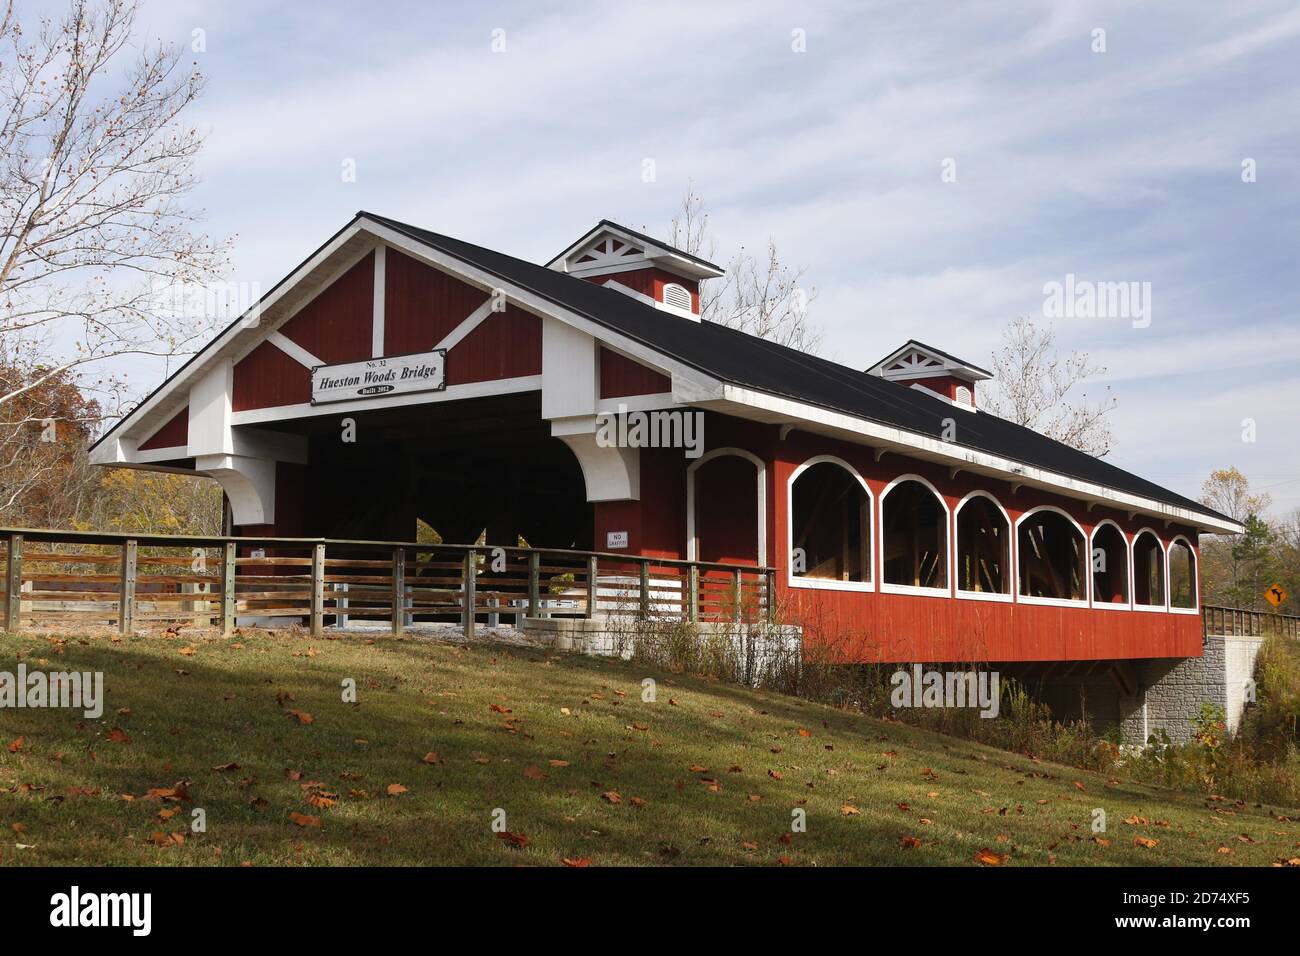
(1171, 692)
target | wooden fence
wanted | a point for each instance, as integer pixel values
(60, 578)
(1235, 622)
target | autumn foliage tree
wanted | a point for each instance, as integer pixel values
(44, 430)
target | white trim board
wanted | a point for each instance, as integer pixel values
(851, 428)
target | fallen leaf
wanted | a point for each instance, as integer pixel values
(989, 858)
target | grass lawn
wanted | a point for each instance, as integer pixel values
(582, 767)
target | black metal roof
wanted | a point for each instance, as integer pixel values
(740, 359)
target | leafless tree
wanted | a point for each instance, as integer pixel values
(1033, 386)
(758, 294)
(94, 167)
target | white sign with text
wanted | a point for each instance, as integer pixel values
(394, 375)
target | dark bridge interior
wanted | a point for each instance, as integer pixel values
(465, 468)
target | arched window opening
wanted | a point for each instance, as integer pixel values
(1148, 571)
(1051, 551)
(983, 548)
(831, 524)
(1182, 575)
(916, 537)
(1109, 566)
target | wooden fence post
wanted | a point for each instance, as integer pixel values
(126, 592)
(645, 589)
(228, 589)
(469, 588)
(591, 587)
(399, 591)
(736, 596)
(693, 594)
(534, 582)
(317, 590)
(14, 585)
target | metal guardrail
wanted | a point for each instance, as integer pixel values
(1238, 622)
(126, 580)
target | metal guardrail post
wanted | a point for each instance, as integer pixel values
(645, 589)
(769, 595)
(317, 590)
(534, 582)
(469, 586)
(14, 585)
(399, 591)
(126, 591)
(693, 594)
(228, 588)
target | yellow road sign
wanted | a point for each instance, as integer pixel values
(1276, 595)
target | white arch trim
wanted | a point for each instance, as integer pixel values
(887, 588)
(828, 584)
(1087, 565)
(1007, 597)
(1196, 577)
(1161, 549)
(692, 540)
(1128, 572)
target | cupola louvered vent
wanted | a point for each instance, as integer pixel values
(677, 296)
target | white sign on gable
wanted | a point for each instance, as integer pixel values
(394, 375)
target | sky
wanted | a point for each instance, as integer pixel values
(933, 167)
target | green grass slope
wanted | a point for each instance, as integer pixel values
(560, 751)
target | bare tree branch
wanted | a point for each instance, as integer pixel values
(1032, 386)
(93, 230)
(758, 294)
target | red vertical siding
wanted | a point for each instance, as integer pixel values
(651, 282)
(868, 626)
(621, 376)
(506, 345)
(175, 432)
(266, 377)
(422, 304)
(336, 325)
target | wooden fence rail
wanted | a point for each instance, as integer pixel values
(57, 578)
(1236, 622)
